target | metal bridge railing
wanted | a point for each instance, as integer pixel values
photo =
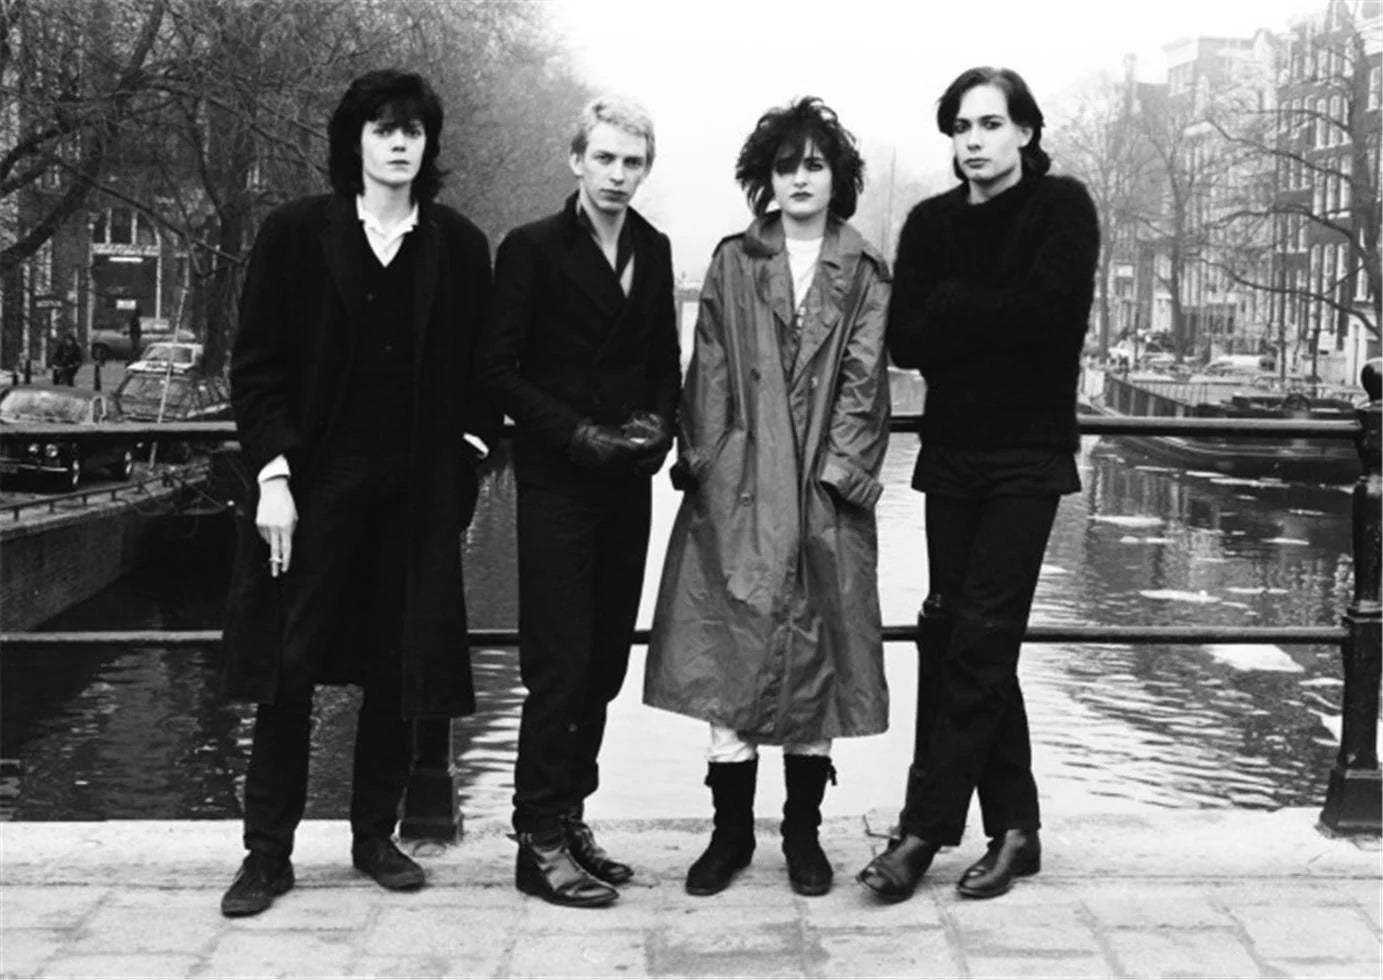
(1354, 793)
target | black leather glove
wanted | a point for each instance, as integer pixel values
(654, 438)
(603, 449)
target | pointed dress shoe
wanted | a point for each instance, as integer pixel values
(379, 858)
(259, 881)
(545, 868)
(591, 856)
(894, 874)
(1017, 854)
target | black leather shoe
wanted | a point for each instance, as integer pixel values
(809, 870)
(379, 858)
(259, 881)
(726, 854)
(544, 867)
(894, 874)
(1017, 854)
(590, 855)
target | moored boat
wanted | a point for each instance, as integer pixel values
(1254, 457)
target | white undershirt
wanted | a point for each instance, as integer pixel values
(802, 256)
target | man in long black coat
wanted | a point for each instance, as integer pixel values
(581, 351)
(357, 418)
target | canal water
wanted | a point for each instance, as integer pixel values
(106, 733)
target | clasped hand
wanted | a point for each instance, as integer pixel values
(637, 446)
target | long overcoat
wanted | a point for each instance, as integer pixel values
(301, 316)
(767, 618)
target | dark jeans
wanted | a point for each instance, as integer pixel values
(581, 565)
(351, 524)
(984, 556)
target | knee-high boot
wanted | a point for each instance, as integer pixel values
(809, 871)
(732, 839)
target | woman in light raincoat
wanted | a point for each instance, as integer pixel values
(767, 621)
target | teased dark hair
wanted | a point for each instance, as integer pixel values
(395, 96)
(1022, 109)
(793, 126)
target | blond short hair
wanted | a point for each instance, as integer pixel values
(625, 114)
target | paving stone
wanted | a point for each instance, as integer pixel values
(113, 965)
(1181, 953)
(145, 928)
(1035, 966)
(998, 928)
(23, 950)
(883, 952)
(1291, 932)
(850, 905)
(1143, 906)
(636, 909)
(280, 954)
(603, 953)
(404, 931)
(1326, 969)
(56, 907)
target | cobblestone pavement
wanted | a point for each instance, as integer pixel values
(1150, 893)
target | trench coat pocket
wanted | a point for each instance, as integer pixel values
(851, 484)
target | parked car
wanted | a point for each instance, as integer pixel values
(112, 343)
(62, 462)
(181, 357)
(189, 398)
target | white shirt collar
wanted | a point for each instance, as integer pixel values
(385, 244)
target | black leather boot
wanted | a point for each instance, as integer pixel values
(1017, 854)
(809, 870)
(894, 874)
(544, 867)
(590, 855)
(732, 841)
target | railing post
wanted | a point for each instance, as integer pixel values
(1354, 797)
(430, 811)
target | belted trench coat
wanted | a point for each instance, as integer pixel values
(767, 618)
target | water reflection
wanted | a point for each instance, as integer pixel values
(107, 733)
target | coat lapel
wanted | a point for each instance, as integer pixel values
(424, 283)
(772, 278)
(341, 248)
(825, 300)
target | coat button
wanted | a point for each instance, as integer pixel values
(754, 374)
(746, 498)
(813, 382)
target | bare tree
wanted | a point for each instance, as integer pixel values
(1317, 148)
(70, 73)
(1099, 140)
(213, 111)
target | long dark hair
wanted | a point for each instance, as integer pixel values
(791, 128)
(1022, 109)
(393, 96)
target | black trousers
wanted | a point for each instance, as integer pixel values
(581, 568)
(984, 556)
(350, 524)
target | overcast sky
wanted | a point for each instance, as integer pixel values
(706, 70)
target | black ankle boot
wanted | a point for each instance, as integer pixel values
(732, 841)
(1017, 854)
(545, 868)
(894, 874)
(809, 870)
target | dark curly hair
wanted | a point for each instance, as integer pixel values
(1022, 109)
(394, 96)
(780, 139)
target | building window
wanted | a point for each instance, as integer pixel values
(1375, 86)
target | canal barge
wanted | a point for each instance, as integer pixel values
(1321, 461)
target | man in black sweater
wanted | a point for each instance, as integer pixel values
(991, 299)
